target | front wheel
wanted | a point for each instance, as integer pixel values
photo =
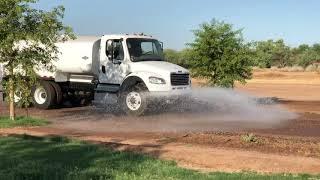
(134, 100)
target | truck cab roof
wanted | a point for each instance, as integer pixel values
(118, 36)
(109, 36)
(92, 39)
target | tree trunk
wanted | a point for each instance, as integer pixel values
(11, 97)
(27, 111)
(12, 108)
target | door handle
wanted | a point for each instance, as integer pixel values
(103, 69)
(85, 57)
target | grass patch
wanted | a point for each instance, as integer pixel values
(22, 121)
(28, 157)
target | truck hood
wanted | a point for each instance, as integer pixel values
(159, 67)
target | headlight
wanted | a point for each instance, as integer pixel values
(156, 80)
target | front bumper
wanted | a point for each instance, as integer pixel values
(169, 97)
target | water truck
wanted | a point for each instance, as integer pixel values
(112, 69)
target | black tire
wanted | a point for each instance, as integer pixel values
(140, 89)
(58, 91)
(48, 95)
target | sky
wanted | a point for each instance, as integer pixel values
(172, 21)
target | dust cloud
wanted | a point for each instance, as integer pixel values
(204, 109)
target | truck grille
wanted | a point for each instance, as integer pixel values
(179, 79)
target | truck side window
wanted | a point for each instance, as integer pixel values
(118, 53)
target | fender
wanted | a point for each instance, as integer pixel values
(143, 77)
(131, 80)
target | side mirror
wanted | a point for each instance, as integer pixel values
(109, 49)
(161, 44)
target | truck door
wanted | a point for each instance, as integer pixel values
(112, 67)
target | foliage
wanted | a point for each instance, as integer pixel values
(220, 55)
(171, 55)
(277, 53)
(316, 48)
(29, 157)
(181, 58)
(5, 122)
(307, 57)
(27, 43)
(271, 53)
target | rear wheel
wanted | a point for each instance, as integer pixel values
(44, 95)
(58, 91)
(134, 100)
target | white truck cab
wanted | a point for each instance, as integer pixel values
(140, 56)
(122, 69)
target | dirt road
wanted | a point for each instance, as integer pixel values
(216, 145)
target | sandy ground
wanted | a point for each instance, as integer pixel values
(291, 146)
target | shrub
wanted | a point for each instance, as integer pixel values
(311, 68)
(249, 138)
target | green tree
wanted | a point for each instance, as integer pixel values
(220, 54)
(316, 48)
(303, 47)
(171, 55)
(27, 44)
(263, 53)
(307, 57)
(271, 53)
(185, 57)
(281, 55)
(181, 58)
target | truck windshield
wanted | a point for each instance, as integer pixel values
(144, 49)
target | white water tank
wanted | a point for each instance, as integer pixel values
(78, 56)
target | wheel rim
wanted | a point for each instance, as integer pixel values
(133, 101)
(40, 95)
